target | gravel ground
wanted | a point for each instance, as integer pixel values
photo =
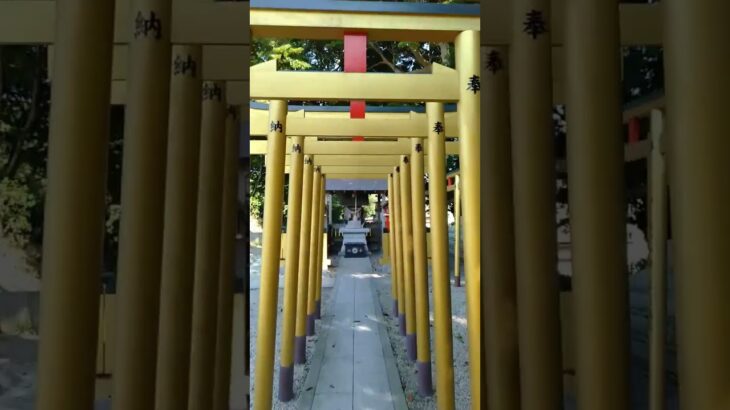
(18, 358)
(406, 368)
(17, 275)
(300, 372)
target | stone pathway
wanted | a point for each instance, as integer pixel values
(353, 366)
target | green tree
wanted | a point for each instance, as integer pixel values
(24, 101)
(288, 55)
(338, 209)
(24, 122)
(371, 206)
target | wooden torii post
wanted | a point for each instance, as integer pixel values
(89, 45)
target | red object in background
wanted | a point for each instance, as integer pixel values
(355, 51)
(634, 130)
(355, 62)
(357, 110)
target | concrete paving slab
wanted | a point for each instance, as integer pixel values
(332, 401)
(336, 375)
(354, 368)
(339, 344)
(372, 389)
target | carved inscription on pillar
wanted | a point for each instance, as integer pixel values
(438, 128)
(185, 66)
(147, 25)
(276, 127)
(494, 62)
(534, 24)
(474, 84)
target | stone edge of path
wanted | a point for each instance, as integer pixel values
(396, 390)
(306, 397)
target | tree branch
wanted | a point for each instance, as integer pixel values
(383, 59)
(30, 120)
(420, 59)
(445, 54)
(382, 62)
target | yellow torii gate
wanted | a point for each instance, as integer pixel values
(93, 48)
(395, 158)
(336, 91)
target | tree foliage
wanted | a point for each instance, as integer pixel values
(24, 122)
(24, 101)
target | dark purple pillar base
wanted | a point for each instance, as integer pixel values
(395, 307)
(300, 349)
(425, 385)
(286, 383)
(411, 346)
(402, 324)
(310, 324)
(458, 281)
(318, 309)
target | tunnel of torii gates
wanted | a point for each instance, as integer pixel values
(162, 56)
(524, 66)
(527, 65)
